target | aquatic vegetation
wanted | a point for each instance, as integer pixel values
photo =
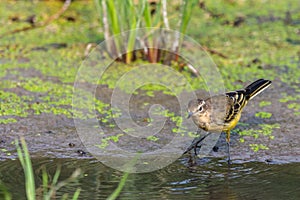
(264, 103)
(263, 115)
(286, 98)
(295, 107)
(265, 130)
(292, 102)
(8, 120)
(257, 147)
(13, 105)
(152, 138)
(105, 141)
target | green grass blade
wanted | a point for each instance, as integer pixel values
(122, 182)
(186, 14)
(45, 182)
(27, 167)
(132, 34)
(64, 197)
(76, 194)
(5, 192)
(115, 27)
(147, 14)
(20, 154)
(56, 176)
(118, 190)
(140, 8)
(112, 9)
(157, 17)
(53, 184)
(124, 14)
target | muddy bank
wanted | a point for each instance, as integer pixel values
(55, 136)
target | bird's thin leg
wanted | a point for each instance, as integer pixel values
(228, 146)
(195, 144)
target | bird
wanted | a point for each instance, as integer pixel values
(221, 113)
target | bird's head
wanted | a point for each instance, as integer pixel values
(196, 107)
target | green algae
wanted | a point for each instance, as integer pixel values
(263, 115)
(8, 120)
(152, 138)
(13, 105)
(295, 107)
(291, 102)
(264, 103)
(257, 147)
(265, 130)
(105, 141)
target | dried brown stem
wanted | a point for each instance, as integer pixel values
(212, 51)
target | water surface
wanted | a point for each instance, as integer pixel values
(207, 179)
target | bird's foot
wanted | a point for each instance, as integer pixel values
(194, 146)
(229, 162)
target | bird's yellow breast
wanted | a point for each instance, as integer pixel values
(232, 123)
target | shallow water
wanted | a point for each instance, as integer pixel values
(208, 179)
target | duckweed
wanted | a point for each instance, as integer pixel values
(263, 115)
(105, 141)
(152, 138)
(264, 103)
(265, 130)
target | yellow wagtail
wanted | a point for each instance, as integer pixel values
(222, 112)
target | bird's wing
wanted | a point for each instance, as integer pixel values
(236, 101)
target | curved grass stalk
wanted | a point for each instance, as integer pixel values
(25, 161)
(28, 171)
(5, 192)
(122, 182)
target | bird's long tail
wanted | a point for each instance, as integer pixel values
(256, 87)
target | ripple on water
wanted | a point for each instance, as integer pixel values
(212, 179)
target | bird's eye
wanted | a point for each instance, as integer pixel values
(200, 108)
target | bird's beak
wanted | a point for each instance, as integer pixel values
(190, 114)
